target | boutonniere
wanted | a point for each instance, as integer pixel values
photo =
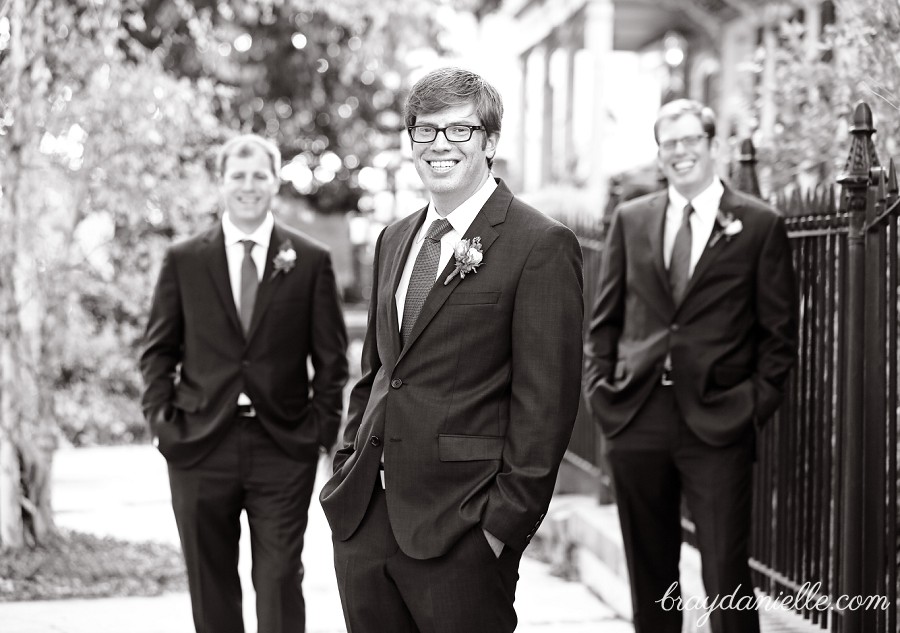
(285, 259)
(727, 225)
(468, 257)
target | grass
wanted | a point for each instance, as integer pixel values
(77, 565)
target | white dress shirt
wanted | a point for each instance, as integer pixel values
(460, 219)
(234, 253)
(706, 207)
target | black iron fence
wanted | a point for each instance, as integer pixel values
(796, 530)
(826, 518)
(585, 448)
(825, 514)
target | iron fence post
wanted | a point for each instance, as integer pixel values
(744, 177)
(855, 182)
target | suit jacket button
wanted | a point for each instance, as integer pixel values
(673, 327)
(396, 383)
(375, 440)
(245, 363)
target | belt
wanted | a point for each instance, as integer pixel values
(666, 378)
(246, 411)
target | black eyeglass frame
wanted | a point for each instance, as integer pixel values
(437, 130)
(688, 142)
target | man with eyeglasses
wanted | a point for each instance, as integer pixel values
(469, 390)
(691, 339)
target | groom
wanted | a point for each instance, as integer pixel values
(237, 313)
(470, 385)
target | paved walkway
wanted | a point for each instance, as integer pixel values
(123, 492)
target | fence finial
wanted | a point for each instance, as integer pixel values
(862, 156)
(745, 178)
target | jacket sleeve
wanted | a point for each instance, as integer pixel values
(162, 345)
(547, 323)
(370, 364)
(607, 313)
(776, 313)
(328, 354)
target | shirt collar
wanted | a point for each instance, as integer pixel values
(261, 236)
(461, 217)
(707, 201)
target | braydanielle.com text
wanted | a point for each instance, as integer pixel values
(807, 598)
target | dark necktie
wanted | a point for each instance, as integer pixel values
(680, 263)
(249, 285)
(423, 276)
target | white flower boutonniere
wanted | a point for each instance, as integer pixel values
(285, 259)
(468, 257)
(727, 225)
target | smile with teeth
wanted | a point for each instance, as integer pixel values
(683, 165)
(442, 165)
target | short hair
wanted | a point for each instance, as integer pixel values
(681, 107)
(243, 146)
(448, 87)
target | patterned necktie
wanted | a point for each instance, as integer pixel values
(423, 276)
(249, 285)
(680, 263)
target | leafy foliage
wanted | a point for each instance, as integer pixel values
(78, 565)
(323, 79)
(858, 58)
(117, 168)
(142, 188)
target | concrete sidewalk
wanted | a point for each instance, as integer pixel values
(123, 492)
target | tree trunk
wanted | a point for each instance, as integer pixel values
(26, 439)
(12, 530)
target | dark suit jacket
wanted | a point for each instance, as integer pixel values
(732, 339)
(475, 413)
(197, 360)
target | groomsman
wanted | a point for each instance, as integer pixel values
(237, 313)
(691, 340)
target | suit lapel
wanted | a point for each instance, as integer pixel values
(217, 264)
(406, 238)
(268, 284)
(492, 213)
(728, 204)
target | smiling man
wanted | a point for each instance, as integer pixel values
(237, 312)
(691, 340)
(469, 388)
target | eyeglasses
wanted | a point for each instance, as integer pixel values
(453, 133)
(688, 142)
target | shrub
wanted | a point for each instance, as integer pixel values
(77, 565)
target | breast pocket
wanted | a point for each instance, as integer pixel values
(730, 268)
(290, 306)
(473, 298)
